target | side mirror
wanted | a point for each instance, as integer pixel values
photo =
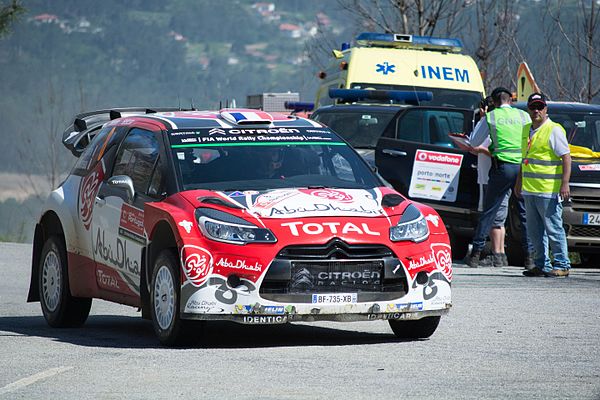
(123, 182)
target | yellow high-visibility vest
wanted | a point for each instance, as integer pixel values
(541, 168)
(506, 125)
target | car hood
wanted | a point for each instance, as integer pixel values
(304, 202)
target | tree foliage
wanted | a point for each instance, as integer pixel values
(575, 50)
(8, 14)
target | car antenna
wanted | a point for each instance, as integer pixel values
(192, 104)
(179, 101)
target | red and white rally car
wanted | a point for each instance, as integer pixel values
(240, 215)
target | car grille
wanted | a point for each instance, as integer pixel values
(585, 202)
(584, 231)
(335, 267)
(336, 276)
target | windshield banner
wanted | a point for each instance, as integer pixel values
(250, 136)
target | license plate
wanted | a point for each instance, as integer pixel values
(337, 298)
(591, 219)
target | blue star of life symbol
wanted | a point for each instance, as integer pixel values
(385, 68)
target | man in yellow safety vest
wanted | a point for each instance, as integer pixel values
(503, 126)
(544, 184)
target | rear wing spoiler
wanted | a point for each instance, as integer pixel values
(80, 133)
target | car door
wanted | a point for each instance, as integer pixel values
(419, 159)
(118, 220)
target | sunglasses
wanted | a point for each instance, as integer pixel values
(536, 106)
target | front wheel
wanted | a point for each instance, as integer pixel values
(415, 329)
(170, 329)
(61, 310)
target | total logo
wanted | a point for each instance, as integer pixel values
(187, 225)
(334, 228)
(197, 264)
(434, 219)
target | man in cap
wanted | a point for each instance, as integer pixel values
(544, 184)
(504, 126)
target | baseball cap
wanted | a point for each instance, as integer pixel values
(536, 98)
(496, 92)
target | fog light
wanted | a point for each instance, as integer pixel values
(233, 281)
(422, 278)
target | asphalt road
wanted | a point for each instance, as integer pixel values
(507, 337)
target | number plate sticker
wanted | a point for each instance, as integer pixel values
(336, 298)
(591, 219)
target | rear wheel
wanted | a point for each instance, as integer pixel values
(61, 310)
(170, 329)
(415, 329)
(514, 249)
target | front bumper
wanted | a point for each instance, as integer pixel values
(585, 198)
(335, 281)
(428, 294)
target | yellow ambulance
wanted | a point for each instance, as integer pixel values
(390, 61)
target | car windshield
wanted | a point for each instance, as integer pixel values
(582, 129)
(441, 97)
(261, 159)
(361, 128)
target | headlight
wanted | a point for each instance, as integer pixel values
(412, 226)
(223, 227)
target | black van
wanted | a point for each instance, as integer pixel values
(404, 141)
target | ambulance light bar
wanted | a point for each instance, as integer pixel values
(299, 106)
(353, 95)
(372, 39)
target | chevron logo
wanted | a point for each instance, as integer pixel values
(214, 131)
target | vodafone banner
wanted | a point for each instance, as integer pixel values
(435, 175)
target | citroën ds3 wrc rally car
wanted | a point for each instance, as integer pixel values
(233, 215)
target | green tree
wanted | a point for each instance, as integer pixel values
(8, 14)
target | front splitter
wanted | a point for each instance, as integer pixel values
(271, 319)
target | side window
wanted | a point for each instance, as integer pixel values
(430, 126)
(137, 157)
(410, 127)
(156, 182)
(95, 150)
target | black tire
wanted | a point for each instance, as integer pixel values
(415, 329)
(165, 291)
(61, 310)
(514, 249)
(459, 246)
